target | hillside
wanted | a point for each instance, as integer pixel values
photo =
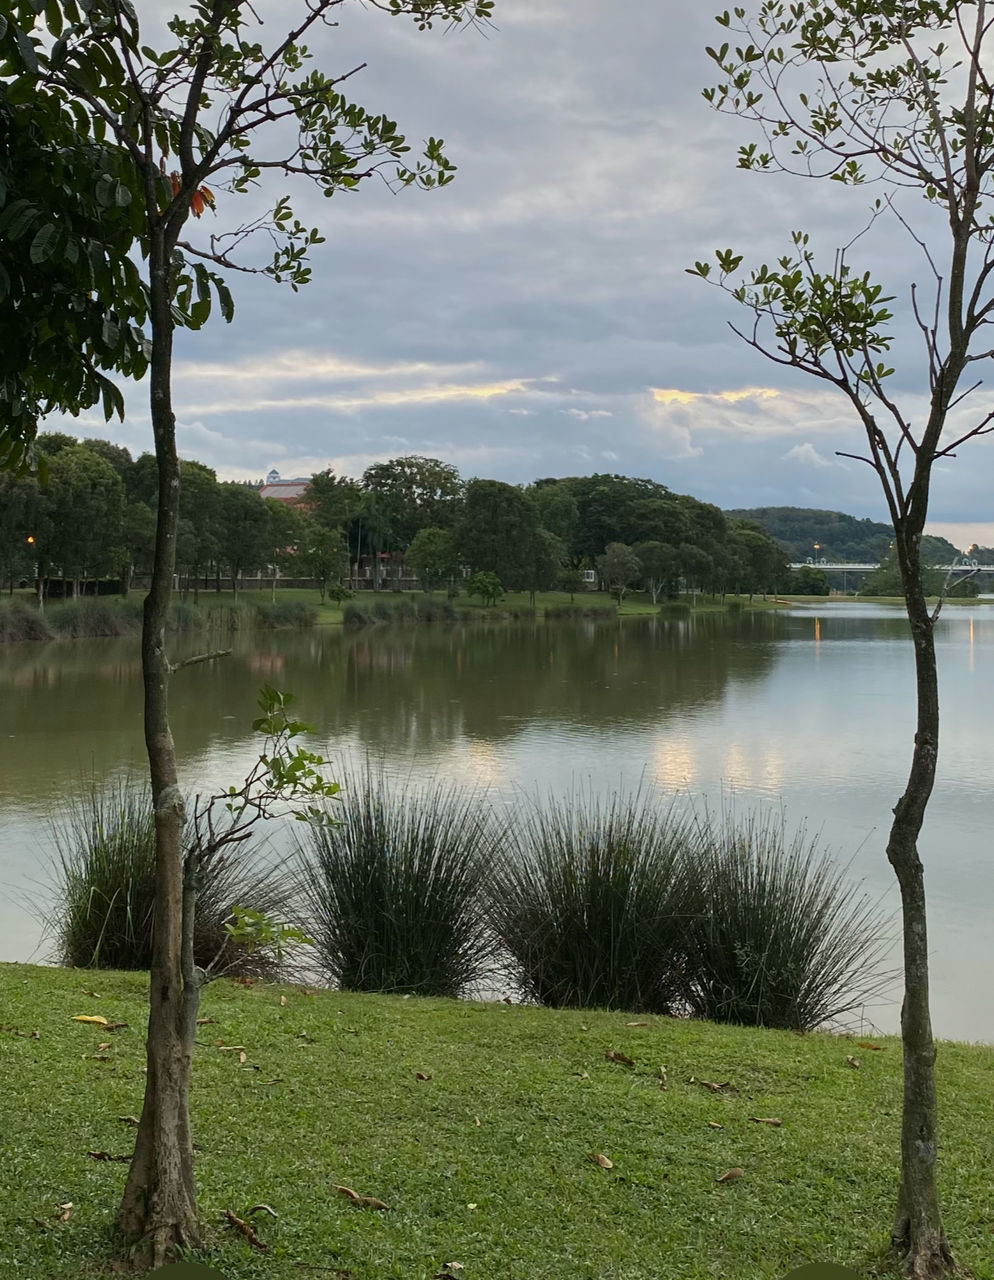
(841, 537)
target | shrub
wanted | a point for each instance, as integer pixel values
(356, 615)
(184, 616)
(19, 621)
(93, 616)
(586, 899)
(674, 609)
(284, 614)
(436, 611)
(393, 892)
(779, 939)
(105, 888)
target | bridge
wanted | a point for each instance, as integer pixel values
(961, 566)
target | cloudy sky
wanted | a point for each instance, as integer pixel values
(535, 318)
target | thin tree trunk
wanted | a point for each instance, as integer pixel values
(158, 1210)
(918, 1232)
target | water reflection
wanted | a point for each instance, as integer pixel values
(813, 706)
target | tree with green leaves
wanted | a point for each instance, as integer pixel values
(618, 568)
(190, 127)
(659, 566)
(284, 531)
(72, 299)
(486, 585)
(433, 556)
(84, 496)
(496, 531)
(413, 493)
(897, 94)
(323, 554)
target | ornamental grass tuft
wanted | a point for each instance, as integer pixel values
(781, 938)
(104, 883)
(394, 889)
(588, 899)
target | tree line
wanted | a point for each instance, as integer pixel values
(92, 517)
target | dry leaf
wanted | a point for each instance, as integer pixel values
(246, 1229)
(636, 1024)
(476, 1120)
(715, 1086)
(278, 1080)
(613, 1056)
(282, 1002)
(364, 1202)
(129, 1120)
(243, 1057)
(85, 1017)
(244, 982)
(853, 1062)
(595, 1157)
(507, 1000)
(713, 1124)
(584, 1075)
(471, 1206)
(663, 1078)
(202, 1022)
(420, 1075)
(874, 1048)
(65, 1211)
(770, 1120)
(731, 1175)
(230, 1048)
(105, 1155)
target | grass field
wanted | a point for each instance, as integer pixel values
(486, 1162)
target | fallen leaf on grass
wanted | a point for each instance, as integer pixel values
(65, 1211)
(105, 1155)
(25, 1035)
(662, 1078)
(282, 1002)
(278, 1080)
(129, 1120)
(420, 1075)
(770, 1120)
(584, 1075)
(507, 1000)
(853, 1062)
(229, 1048)
(713, 1124)
(612, 1055)
(715, 1086)
(364, 1202)
(874, 1048)
(244, 982)
(86, 1017)
(243, 1057)
(595, 1157)
(453, 1266)
(202, 1022)
(731, 1175)
(105, 1045)
(476, 1121)
(246, 1229)
(263, 1208)
(636, 1024)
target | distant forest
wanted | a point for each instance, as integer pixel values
(840, 537)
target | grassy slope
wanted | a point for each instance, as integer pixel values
(512, 1196)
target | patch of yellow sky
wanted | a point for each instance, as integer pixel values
(673, 395)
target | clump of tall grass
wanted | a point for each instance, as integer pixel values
(674, 609)
(587, 898)
(283, 614)
(94, 616)
(781, 939)
(223, 616)
(394, 890)
(104, 882)
(432, 610)
(20, 621)
(184, 616)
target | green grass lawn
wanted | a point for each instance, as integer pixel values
(486, 1163)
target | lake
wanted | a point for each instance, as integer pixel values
(810, 708)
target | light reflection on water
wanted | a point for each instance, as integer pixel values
(809, 708)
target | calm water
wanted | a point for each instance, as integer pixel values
(809, 708)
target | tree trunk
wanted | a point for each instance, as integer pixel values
(158, 1211)
(918, 1233)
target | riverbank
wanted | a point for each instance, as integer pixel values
(485, 1157)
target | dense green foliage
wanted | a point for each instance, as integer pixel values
(104, 890)
(839, 537)
(394, 886)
